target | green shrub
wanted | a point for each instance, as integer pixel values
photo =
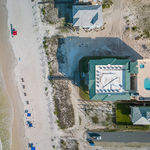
(47, 53)
(84, 91)
(95, 119)
(45, 44)
(43, 11)
(134, 28)
(83, 95)
(63, 143)
(80, 120)
(146, 32)
(107, 3)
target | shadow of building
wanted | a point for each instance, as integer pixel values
(72, 49)
(65, 9)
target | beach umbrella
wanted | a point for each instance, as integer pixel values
(26, 111)
(14, 32)
(28, 114)
(30, 145)
(29, 124)
(32, 148)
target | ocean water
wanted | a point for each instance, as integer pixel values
(4, 119)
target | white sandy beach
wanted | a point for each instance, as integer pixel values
(7, 62)
(32, 67)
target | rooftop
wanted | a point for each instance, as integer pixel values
(109, 79)
(140, 115)
(87, 16)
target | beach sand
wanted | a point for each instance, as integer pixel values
(31, 71)
(24, 70)
(7, 62)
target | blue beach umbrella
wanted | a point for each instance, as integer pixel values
(28, 114)
(29, 124)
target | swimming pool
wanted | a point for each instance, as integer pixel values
(147, 83)
(141, 65)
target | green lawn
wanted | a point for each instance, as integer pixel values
(132, 127)
(123, 121)
(83, 90)
(122, 114)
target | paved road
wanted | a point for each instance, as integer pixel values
(125, 136)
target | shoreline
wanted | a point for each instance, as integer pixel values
(23, 57)
(8, 63)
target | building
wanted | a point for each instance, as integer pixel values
(140, 115)
(143, 79)
(109, 78)
(87, 16)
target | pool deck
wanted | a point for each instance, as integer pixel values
(143, 73)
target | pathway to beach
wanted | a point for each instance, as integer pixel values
(31, 75)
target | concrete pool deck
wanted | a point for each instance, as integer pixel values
(143, 73)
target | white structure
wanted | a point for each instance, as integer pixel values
(87, 16)
(140, 115)
(109, 78)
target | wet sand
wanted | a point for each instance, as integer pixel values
(7, 63)
(5, 119)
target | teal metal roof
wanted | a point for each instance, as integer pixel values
(112, 61)
(133, 67)
(127, 80)
(113, 96)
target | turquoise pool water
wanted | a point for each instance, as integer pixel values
(147, 83)
(141, 65)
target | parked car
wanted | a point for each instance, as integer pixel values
(91, 142)
(141, 98)
(94, 136)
